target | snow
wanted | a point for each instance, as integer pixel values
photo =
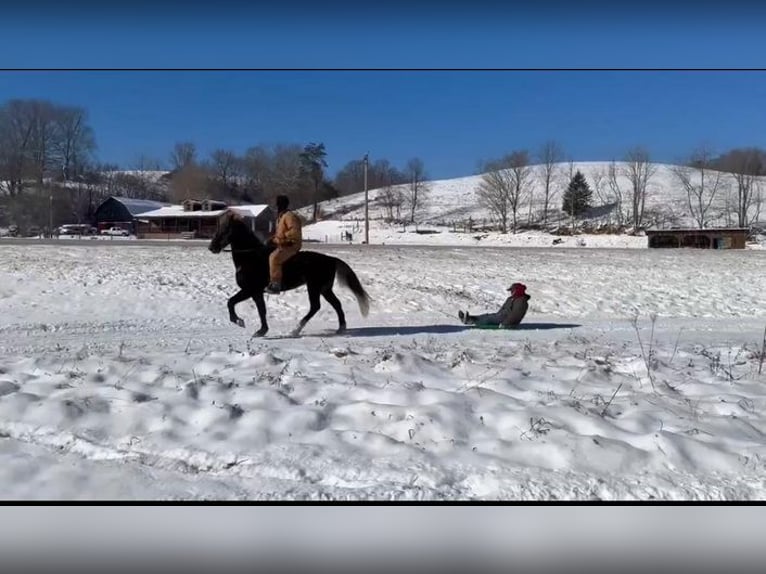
(381, 233)
(455, 200)
(178, 211)
(122, 378)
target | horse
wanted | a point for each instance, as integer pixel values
(315, 270)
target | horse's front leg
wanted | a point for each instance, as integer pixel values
(261, 305)
(237, 298)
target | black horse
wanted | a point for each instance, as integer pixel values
(315, 270)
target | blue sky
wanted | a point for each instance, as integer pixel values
(450, 119)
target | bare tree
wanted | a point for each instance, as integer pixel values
(183, 155)
(257, 167)
(599, 178)
(639, 170)
(391, 197)
(417, 189)
(129, 185)
(35, 119)
(701, 183)
(495, 191)
(551, 154)
(15, 145)
(75, 141)
(745, 165)
(273, 170)
(350, 178)
(521, 175)
(601, 190)
(617, 194)
(146, 163)
(380, 174)
(287, 173)
(504, 186)
(224, 165)
(756, 204)
(727, 206)
(39, 139)
(101, 181)
(190, 182)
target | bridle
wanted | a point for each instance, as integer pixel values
(249, 250)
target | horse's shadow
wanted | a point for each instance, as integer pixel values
(544, 326)
(444, 329)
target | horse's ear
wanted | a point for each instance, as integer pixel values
(231, 214)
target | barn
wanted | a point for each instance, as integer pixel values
(199, 220)
(712, 238)
(122, 212)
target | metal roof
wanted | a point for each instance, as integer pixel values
(138, 206)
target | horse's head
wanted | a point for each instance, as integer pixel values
(230, 224)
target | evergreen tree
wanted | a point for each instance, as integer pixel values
(313, 164)
(578, 195)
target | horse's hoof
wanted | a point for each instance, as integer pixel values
(241, 323)
(260, 332)
(341, 330)
(295, 333)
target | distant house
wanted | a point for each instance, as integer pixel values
(713, 238)
(199, 220)
(122, 212)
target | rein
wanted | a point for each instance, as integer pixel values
(242, 250)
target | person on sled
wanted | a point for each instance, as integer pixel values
(509, 315)
(288, 240)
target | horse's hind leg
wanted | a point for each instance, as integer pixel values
(261, 305)
(237, 298)
(315, 305)
(333, 300)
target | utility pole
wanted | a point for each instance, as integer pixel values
(366, 204)
(50, 201)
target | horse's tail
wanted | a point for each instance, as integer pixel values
(348, 278)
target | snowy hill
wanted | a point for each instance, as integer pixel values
(454, 201)
(150, 177)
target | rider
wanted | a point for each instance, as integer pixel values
(509, 315)
(288, 240)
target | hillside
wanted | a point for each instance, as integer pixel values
(452, 202)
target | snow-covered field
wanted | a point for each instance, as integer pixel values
(381, 233)
(120, 377)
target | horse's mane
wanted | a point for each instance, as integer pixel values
(235, 220)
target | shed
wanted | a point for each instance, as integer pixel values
(712, 238)
(118, 211)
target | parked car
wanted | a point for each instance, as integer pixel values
(77, 229)
(115, 231)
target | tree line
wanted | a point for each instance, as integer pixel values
(48, 167)
(49, 173)
(522, 178)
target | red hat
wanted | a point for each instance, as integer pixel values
(517, 289)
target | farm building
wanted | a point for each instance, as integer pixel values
(122, 211)
(199, 220)
(714, 238)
